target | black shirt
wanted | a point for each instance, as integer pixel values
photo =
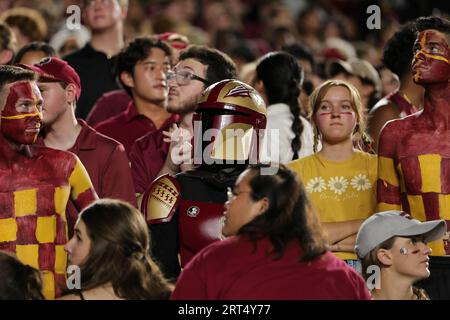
(96, 74)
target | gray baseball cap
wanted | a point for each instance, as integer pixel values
(382, 226)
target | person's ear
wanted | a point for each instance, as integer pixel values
(127, 79)
(259, 86)
(385, 257)
(71, 92)
(263, 205)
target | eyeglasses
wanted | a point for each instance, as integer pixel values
(183, 77)
(231, 194)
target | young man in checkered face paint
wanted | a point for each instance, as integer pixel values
(35, 182)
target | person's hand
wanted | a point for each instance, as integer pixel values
(180, 149)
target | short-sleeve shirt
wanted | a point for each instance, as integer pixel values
(340, 190)
(129, 126)
(232, 270)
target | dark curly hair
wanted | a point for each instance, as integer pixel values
(398, 52)
(435, 23)
(289, 217)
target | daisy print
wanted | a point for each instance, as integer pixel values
(338, 185)
(360, 182)
(316, 184)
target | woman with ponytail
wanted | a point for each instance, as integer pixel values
(111, 246)
(340, 179)
(279, 78)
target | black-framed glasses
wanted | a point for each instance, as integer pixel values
(184, 77)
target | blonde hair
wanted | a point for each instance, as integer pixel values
(359, 134)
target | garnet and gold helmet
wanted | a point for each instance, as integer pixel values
(228, 123)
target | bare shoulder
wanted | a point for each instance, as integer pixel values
(384, 109)
(53, 156)
(403, 123)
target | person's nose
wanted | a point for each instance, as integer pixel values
(425, 248)
(419, 56)
(171, 81)
(335, 112)
(68, 246)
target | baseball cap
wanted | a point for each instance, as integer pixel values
(336, 66)
(384, 225)
(55, 69)
(364, 70)
(175, 40)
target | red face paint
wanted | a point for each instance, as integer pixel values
(21, 116)
(431, 62)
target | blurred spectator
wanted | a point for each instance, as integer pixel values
(18, 281)
(271, 230)
(311, 78)
(94, 62)
(396, 244)
(367, 80)
(281, 36)
(310, 27)
(178, 16)
(176, 41)
(248, 73)
(138, 23)
(242, 53)
(389, 80)
(33, 52)
(223, 25)
(66, 41)
(336, 48)
(8, 44)
(359, 73)
(367, 51)
(27, 24)
(111, 246)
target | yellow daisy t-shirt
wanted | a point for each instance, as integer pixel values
(340, 191)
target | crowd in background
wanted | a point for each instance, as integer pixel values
(301, 57)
